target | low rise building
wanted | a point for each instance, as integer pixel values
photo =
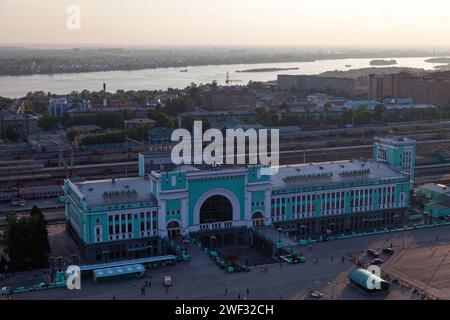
(230, 99)
(60, 106)
(25, 124)
(139, 123)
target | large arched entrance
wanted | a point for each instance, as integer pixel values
(216, 209)
(173, 229)
(258, 219)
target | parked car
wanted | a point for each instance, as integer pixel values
(6, 290)
(388, 250)
(316, 294)
(167, 281)
(373, 253)
(376, 262)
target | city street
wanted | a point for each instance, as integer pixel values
(202, 279)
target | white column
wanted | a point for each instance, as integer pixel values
(114, 225)
(248, 209)
(335, 201)
(162, 230)
(267, 206)
(184, 216)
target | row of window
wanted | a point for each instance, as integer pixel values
(257, 203)
(333, 203)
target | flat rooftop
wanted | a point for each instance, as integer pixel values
(116, 191)
(399, 141)
(437, 188)
(333, 173)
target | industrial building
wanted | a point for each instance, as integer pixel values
(309, 83)
(131, 217)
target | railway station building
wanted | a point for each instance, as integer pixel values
(130, 218)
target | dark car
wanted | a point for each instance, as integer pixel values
(388, 251)
(376, 262)
(373, 253)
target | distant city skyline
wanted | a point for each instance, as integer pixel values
(231, 22)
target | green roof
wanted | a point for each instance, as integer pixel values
(118, 271)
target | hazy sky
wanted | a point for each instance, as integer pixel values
(253, 22)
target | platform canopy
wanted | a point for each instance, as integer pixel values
(118, 271)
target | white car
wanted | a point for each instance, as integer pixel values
(167, 281)
(6, 290)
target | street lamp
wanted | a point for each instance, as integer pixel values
(212, 238)
(302, 231)
(185, 245)
(365, 224)
(396, 217)
(280, 230)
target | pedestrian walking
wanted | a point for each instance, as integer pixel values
(176, 296)
(239, 296)
(226, 291)
(248, 291)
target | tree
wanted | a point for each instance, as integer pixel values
(43, 243)
(26, 241)
(12, 134)
(47, 122)
(161, 119)
(379, 111)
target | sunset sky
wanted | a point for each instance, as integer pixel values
(216, 22)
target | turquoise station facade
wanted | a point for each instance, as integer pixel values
(130, 217)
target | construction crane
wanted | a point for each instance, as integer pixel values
(228, 81)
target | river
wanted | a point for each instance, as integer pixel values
(163, 78)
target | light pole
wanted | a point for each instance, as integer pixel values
(396, 217)
(280, 230)
(303, 230)
(212, 238)
(185, 244)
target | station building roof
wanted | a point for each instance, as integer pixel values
(115, 191)
(333, 173)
